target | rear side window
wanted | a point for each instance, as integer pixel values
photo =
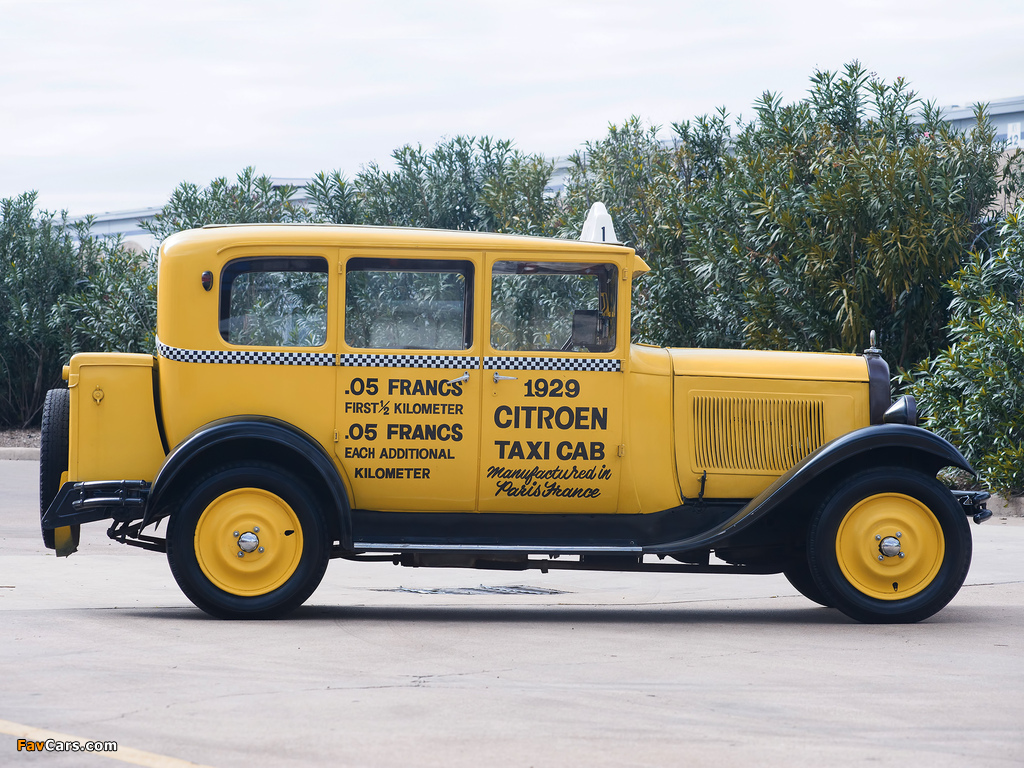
(409, 304)
(274, 302)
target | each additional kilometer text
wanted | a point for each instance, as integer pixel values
(392, 473)
(401, 454)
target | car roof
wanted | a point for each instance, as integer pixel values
(221, 236)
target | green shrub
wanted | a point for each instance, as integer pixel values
(463, 183)
(62, 291)
(973, 393)
(114, 306)
(250, 199)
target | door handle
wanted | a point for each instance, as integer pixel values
(463, 377)
(498, 377)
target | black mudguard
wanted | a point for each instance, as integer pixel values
(258, 438)
(880, 445)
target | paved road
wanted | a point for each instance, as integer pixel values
(613, 670)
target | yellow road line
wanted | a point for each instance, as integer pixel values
(124, 754)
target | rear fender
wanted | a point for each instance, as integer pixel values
(258, 438)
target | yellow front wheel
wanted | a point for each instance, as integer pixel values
(247, 542)
(890, 545)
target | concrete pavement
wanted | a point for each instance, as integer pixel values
(610, 669)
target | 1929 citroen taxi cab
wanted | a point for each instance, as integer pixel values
(458, 399)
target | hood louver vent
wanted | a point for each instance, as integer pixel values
(755, 434)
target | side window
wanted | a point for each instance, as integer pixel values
(408, 304)
(274, 302)
(539, 306)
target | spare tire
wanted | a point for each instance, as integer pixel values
(53, 456)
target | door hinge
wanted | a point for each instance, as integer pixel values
(335, 435)
(622, 449)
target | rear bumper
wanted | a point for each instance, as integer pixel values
(77, 503)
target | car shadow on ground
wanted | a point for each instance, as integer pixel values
(806, 615)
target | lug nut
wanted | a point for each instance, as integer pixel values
(235, 534)
(256, 529)
(261, 549)
(241, 553)
(878, 536)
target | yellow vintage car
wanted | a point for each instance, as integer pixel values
(459, 399)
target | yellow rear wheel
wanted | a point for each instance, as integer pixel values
(890, 546)
(248, 541)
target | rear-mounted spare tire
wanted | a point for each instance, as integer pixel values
(53, 456)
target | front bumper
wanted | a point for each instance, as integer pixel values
(973, 503)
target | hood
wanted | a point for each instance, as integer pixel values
(759, 364)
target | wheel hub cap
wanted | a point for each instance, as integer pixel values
(248, 542)
(890, 546)
(869, 546)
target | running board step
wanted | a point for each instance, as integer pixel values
(536, 549)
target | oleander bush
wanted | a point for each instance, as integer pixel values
(62, 291)
(973, 392)
(852, 209)
(804, 228)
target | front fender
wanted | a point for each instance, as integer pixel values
(256, 438)
(880, 445)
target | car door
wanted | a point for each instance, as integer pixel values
(553, 387)
(408, 409)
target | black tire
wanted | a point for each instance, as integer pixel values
(928, 555)
(263, 583)
(53, 456)
(798, 573)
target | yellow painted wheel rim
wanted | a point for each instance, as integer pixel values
(270, 519)
(894, 516)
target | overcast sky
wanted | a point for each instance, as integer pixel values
(107, 106)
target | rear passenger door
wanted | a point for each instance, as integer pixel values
(408, 409)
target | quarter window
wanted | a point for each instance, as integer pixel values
(274, 302)
(552, 306)
(408, 304)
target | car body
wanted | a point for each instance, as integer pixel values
(458, 399)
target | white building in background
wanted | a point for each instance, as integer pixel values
(128, 224)
(1007, 115)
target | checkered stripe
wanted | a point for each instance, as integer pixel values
(408, 361)
(241, 357)
(551, 364)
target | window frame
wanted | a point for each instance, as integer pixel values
(290, 263)
(465, 267)
(579, 268)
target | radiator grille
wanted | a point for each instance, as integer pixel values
(755, 434)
